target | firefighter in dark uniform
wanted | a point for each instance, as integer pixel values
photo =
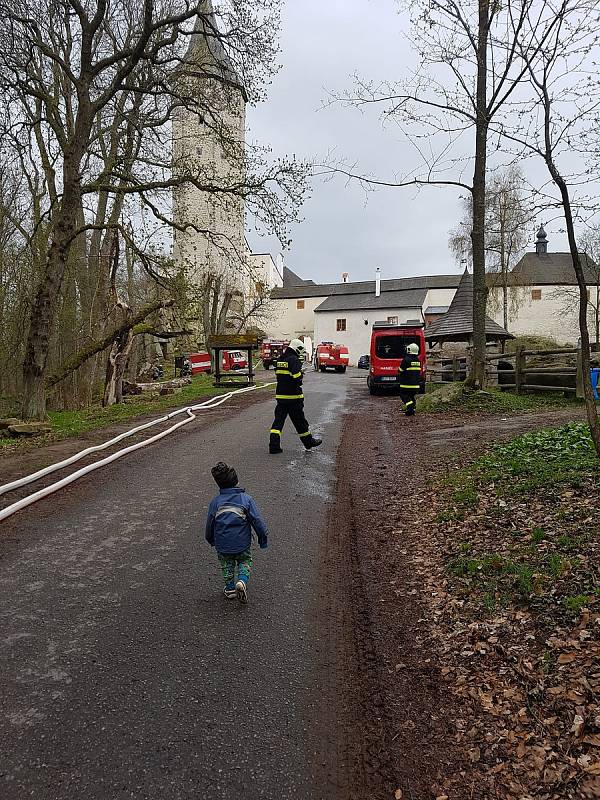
(410, 379)
(290, 398)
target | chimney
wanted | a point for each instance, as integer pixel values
(541, 245)
(344, 277)
(377, 282)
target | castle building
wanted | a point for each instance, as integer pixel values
(209, 149)
(542, 301)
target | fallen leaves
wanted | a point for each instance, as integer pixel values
(516, 630)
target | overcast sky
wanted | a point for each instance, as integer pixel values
(402, 231)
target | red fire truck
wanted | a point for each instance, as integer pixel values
(388, 348)
(271, 349)
(232, 360)
(331, 356)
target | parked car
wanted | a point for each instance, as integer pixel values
(364, 362)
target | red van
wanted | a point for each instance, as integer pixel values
(388, 348)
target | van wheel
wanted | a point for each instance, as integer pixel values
(322, 369)
(266, 364)
(372, 388)
(342, 369)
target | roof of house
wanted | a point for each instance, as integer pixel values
(311, 289)
(291, 280)
(551, 268)
(457, 323)
(409, 298)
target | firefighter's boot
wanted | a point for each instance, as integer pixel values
(309, 442)
(275, 442)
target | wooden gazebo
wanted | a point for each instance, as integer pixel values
(456, 325)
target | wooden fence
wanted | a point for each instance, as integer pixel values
(516, 370)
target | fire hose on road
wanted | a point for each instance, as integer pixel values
(213, 402)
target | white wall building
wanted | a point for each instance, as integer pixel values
(544, 296)
(345, 312)
(542, 302)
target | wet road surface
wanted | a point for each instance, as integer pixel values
(124, 672)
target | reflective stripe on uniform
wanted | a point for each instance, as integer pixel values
(275, 431)
(297, 375)
(284, 372)
(289, 397)
(409, 386)
(410, 402)
(301, 435)
(412, 369)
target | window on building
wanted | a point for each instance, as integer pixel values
(299, 303)
(340, 325)
(392, 320)
(536, 294)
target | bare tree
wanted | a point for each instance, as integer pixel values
(506, 220)
(89, 93)
(469, 56)
(559, 117)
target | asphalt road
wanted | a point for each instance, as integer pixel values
(124, 672)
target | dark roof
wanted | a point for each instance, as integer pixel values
(457, 323)
(310, 289)
(290, 279)
(410, 298)
(207, 53)
(551, 268)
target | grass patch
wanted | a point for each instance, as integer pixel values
(456, 397)
(521, 576)
(543, 458)
(66, 424)
(527, 511)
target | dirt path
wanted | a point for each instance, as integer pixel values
(397, 726)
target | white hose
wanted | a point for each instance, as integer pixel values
(213, 402)
(9, 487)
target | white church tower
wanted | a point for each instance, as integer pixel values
(209, 144)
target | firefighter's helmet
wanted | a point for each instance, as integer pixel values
(413, 349)
(299, 346)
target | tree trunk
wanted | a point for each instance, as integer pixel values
(588, 392)
(115, 367)
(477, 377)
(503, 266)
(43, 315)
(96, 347)
(45, 304)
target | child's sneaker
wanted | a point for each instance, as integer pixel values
(241, 592)
(229, 591)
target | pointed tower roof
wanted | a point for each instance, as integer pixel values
(456, 325)
(206, 50)
(541, 244)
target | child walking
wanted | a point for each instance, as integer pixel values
(232, 515)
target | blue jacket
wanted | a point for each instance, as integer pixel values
(231, 516)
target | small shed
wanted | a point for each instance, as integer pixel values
(456, 325)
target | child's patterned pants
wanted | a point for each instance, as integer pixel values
(229, 562)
